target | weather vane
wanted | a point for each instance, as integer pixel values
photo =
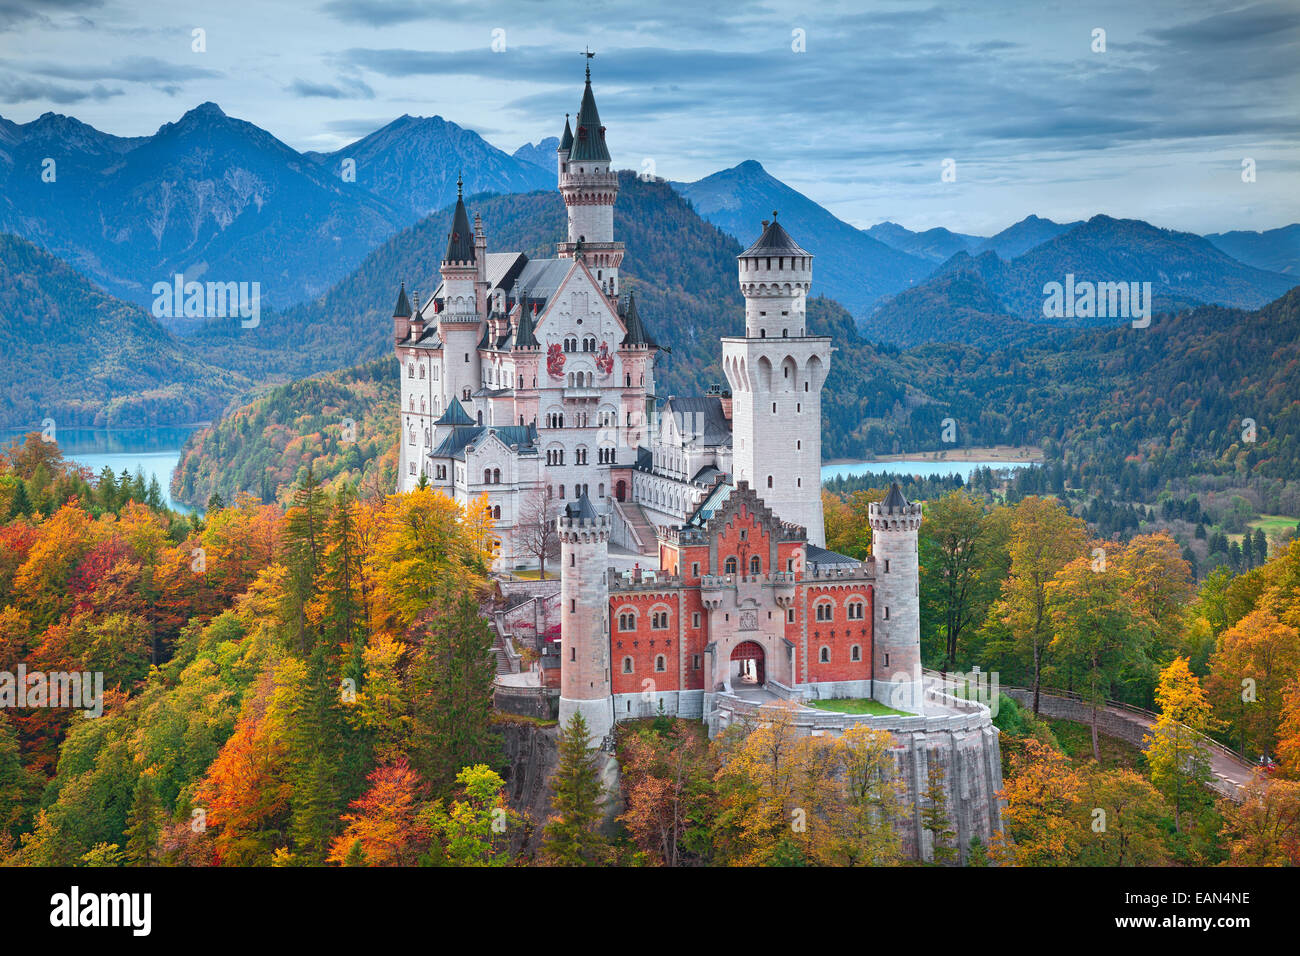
(588, 54)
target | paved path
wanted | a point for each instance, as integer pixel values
(1230, 772)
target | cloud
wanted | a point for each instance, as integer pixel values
(15, 13)
(346, 89)
(384, 13)
(14, 89)
(133, 69)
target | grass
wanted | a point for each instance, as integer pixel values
(1076, 743)
(533, 574)
(857, 705)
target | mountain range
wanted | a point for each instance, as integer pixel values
(219, 199)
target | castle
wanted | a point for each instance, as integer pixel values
(694, 578)
(531, 381)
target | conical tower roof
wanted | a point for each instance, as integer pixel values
(566, 141)
(636, 331)
(774, 241)
(403, 308)
(460, 241)
(589, 142)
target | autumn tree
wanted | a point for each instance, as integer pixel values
(386, 826)
(667, 792)
(1175, 750)
(1126, 817)
(871, 800)
(1264, 829)
(572, 836)
(1040, 819)
(536, 530)
(1044, 538)
(1256, 660)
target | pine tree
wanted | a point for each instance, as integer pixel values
(452, 678)
(572, 836)
(304, 543)
(976, 854)
(143, 824)
(934, 815)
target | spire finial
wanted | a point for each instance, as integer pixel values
(459, 185)
(588, 54)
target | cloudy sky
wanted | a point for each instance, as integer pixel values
(856, 104)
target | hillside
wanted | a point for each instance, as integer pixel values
(264, 445)
(1020, 237)
(1277, 250)
(81, 357)
(935, 245)
(852, 267)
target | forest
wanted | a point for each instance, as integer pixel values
(308, 682)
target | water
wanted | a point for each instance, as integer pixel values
(155, 451)
(926, 469)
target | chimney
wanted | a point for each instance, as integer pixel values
(725, 399)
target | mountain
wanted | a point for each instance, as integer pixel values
(210, 196)
(543, 154)
(851, 267)
(934, 245)
(682, 267)
(990, 302)
(1277, 250)
(1017, 239)
(414, 161)
(81, 357)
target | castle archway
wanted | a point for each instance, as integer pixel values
(620, 490)
(747, 665)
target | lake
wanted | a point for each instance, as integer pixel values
(926, 469)
(155, 451)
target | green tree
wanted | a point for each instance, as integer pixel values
(573, 836)
(143, 823)
(934, 815)
(1179, 764)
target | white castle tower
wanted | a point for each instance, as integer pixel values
(776, 373)
(459, 321)
(896, 669)
(585, 686)
(590, 187)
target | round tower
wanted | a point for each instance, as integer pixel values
(459, 321)
(896, 665)
(590, 186)
(776, 371)
(585, 686)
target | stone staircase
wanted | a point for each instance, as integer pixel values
(499, 651)
(642, 531)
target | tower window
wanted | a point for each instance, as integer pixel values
(886, 613)
(769, 481)
(627, 665)
(825, 655)
(730, 566)
(660, 664)
(855, 652)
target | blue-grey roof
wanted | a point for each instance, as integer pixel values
(822, 558)
(453, 446)
(699, 419)
(455, 415)
(582, 509)
(540, 278)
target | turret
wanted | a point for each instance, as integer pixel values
(402, 316)
(896, 667)
(460, 319)
(562, 151)
(590, 187)
(584, 618)
(776, 371)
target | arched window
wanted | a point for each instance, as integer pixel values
(487, 476)
(824, 656)
(730, 566)
(627, 621)
(496, 512)
(769, 481)
(825, 611)
(755, 565)
(661, 665)
(855, 653)
(496, 476)
(627, 665)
